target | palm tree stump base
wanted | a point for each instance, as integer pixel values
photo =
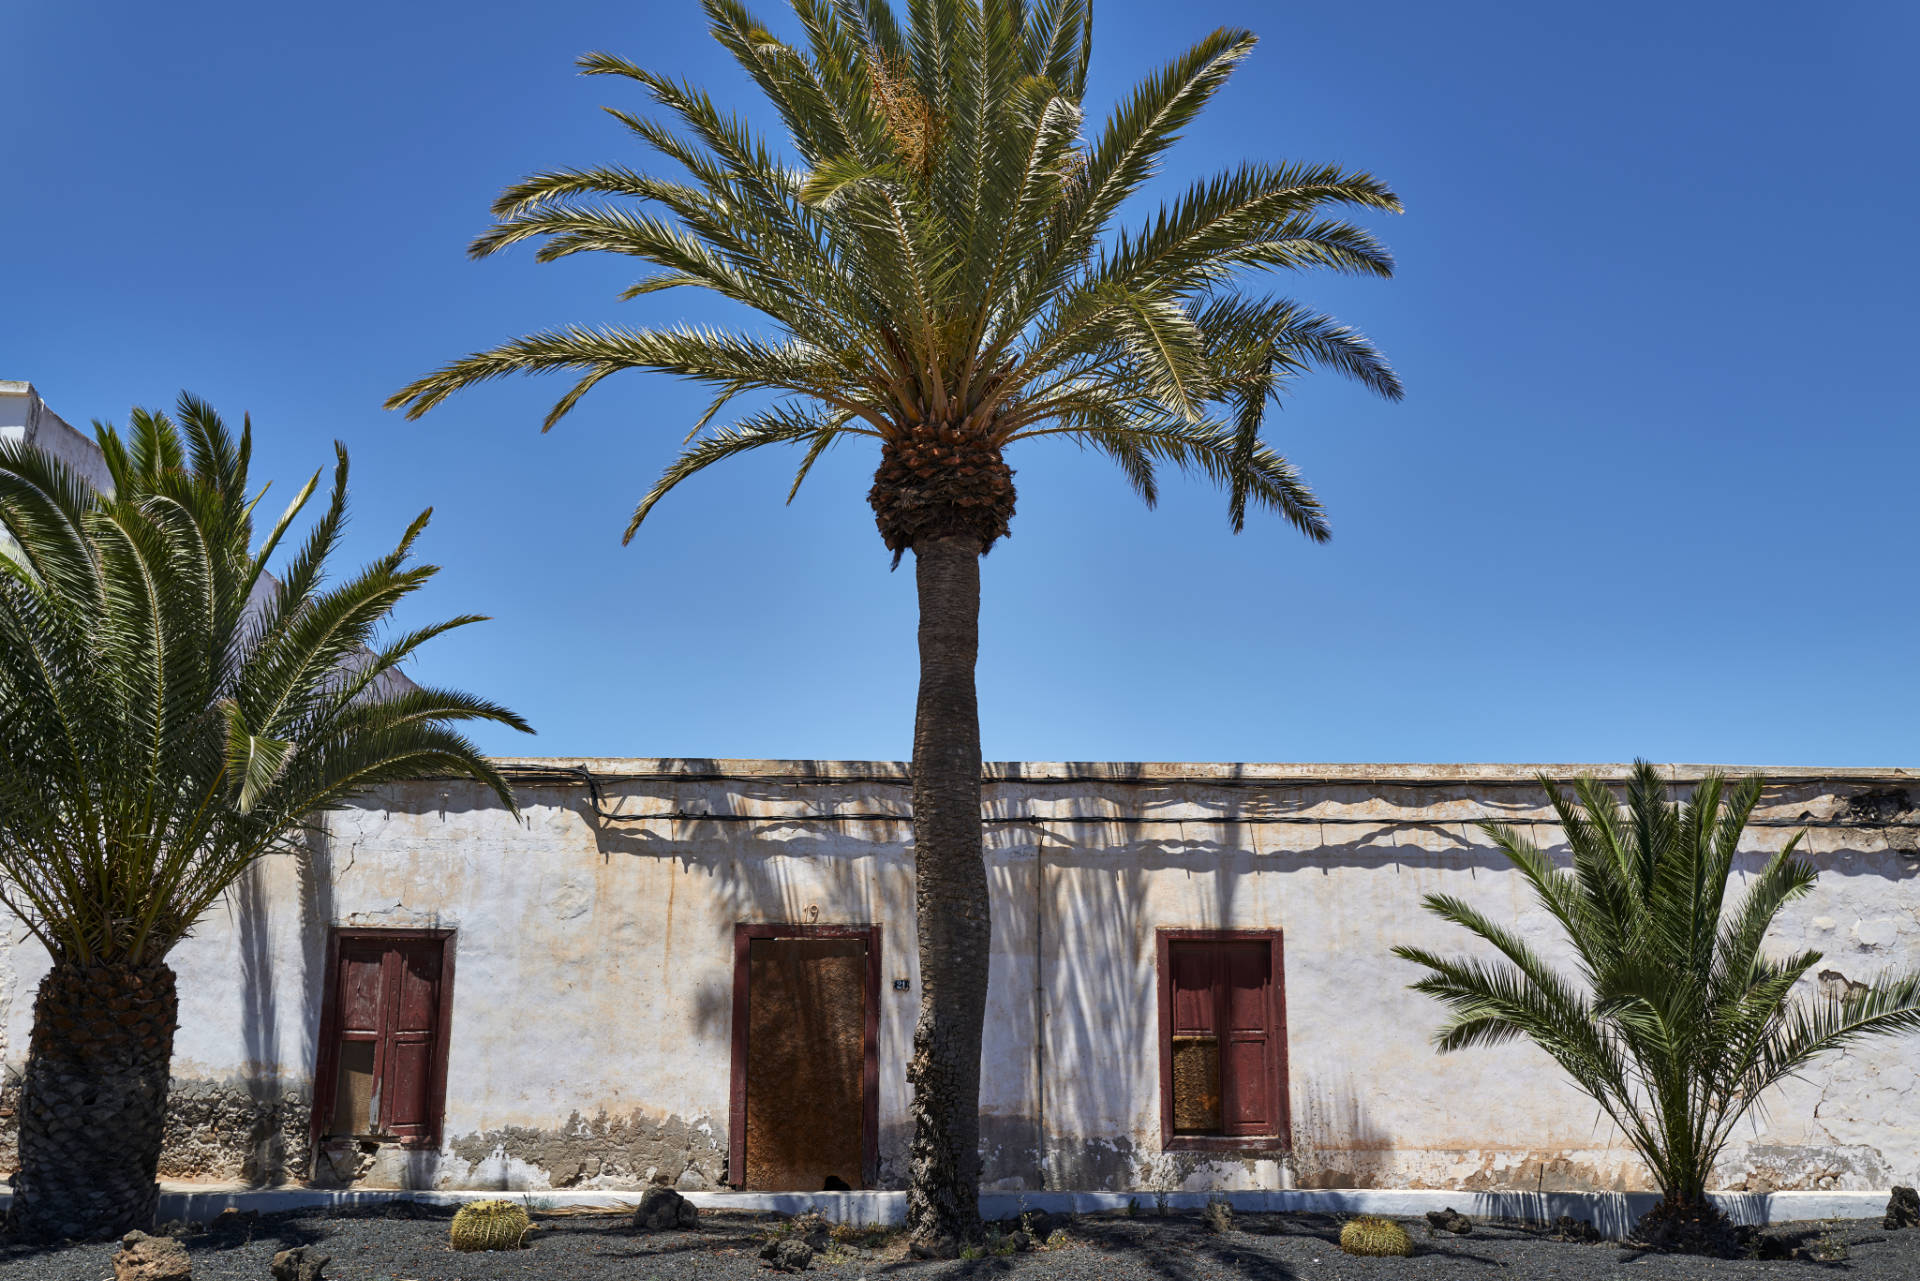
(1678, 1228)
(93, 1101)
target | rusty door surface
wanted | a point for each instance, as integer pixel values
(810, 1015)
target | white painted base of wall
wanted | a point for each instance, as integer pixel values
(1612, 1213)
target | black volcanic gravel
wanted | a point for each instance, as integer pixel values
(409, 1243)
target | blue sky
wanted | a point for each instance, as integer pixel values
(1649, 493)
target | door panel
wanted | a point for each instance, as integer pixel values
(418, 977)
(360, 989)
(1247, 998)
(1194, 1012)
(1246, 1108)
(808, 1008)
(407, 1102)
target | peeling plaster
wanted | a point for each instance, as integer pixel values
(634, 1151)
(1775, 1168)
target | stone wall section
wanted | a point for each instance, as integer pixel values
(216, 1132)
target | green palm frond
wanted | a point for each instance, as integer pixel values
(781, 425)
(934, 236)
(170, 718)
(1675, 1023)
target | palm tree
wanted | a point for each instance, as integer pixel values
(935, 245)
(173, 715)
(1675, 1023)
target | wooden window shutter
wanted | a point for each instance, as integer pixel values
(1196, 1041)
(1241, 990)
(1223, 1051)
(409, 1041)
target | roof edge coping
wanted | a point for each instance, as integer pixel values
(1227, 773)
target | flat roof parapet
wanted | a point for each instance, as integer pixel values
(691, 768)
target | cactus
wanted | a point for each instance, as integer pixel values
(1375, 1237)
(489, 1225)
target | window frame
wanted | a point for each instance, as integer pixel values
(1276, 1059)
(327, 1061)
(743, 935)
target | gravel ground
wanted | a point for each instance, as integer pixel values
(409, 1243)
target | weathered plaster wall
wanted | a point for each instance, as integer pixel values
(592, 999)
(1372, 1105)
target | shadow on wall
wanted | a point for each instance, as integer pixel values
(722, 872)
(1336, 1143)
(256, 1130)
(1100, 1074)
(789, 874)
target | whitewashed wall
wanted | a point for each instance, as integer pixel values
(592, 1000)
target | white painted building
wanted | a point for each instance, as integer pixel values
(582, 979)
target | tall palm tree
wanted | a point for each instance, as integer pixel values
(172, 715)
(1674, 1022)
(936, 245)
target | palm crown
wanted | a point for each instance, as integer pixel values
(942, 263)
(172, 712)
(1676, 1023)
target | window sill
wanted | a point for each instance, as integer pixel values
(1225, 1143)
(410, 1144)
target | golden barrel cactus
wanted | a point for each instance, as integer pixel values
(1375, 1237)
(490, 1225)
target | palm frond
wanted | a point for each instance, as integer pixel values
(933, 239)
(169, 724)
(1675, 1022)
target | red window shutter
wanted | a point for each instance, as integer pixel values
(1222, 1065)
(1195, 1003)
(1196, 1052)
(1244, 975)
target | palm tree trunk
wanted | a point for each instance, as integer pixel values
(93, 1103)
(950, 899)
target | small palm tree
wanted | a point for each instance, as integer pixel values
(1674, 1022)
(172, 715)
(936, 251)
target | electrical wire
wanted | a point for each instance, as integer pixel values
(583, 776)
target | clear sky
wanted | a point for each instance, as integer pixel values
(1650, 493)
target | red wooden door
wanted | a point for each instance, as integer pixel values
(383, 1043)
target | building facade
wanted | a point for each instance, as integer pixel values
(703, 973)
